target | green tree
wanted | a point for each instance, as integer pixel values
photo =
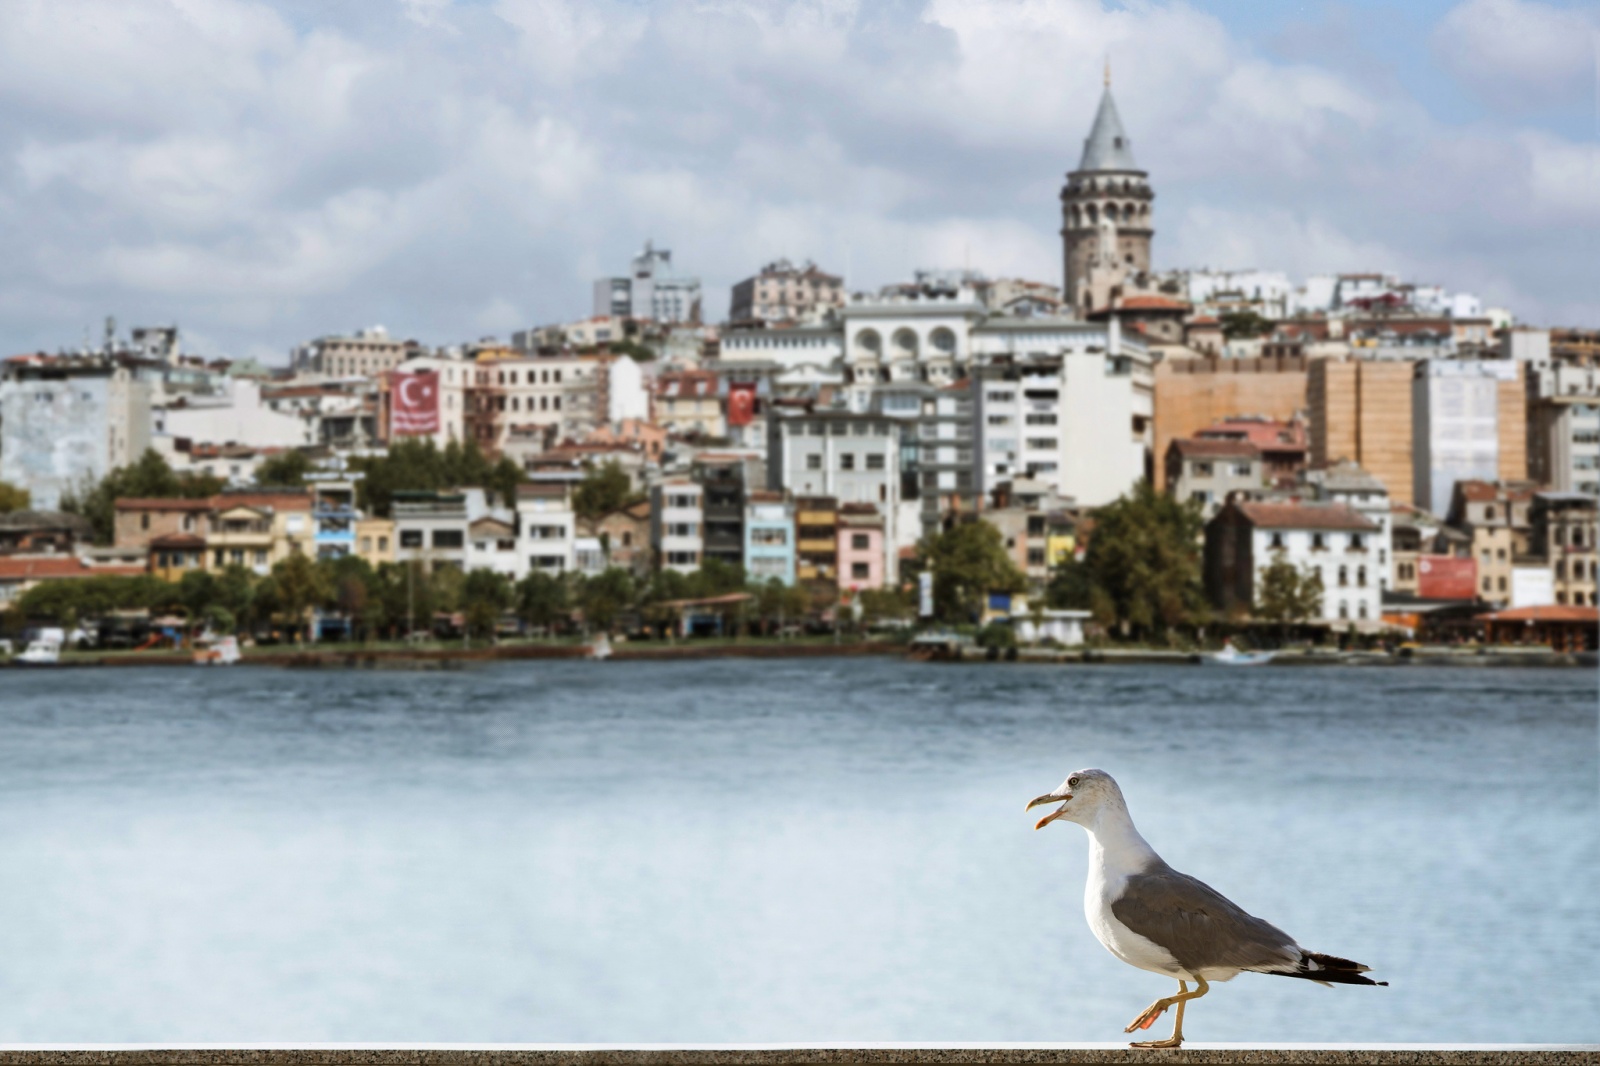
(13, 498)
(415, 464)
(1288, 594)
(299, 585)
(1143, 564)
(968, 561)
(287, 469)
(148, 477)
(886, 604)
(604, 488)
(606, 595)
(485, 595)
(542, 599)
(1243, 325)
(778, 605)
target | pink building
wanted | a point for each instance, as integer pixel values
(860, 547)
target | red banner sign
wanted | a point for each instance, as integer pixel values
(741, 403)
(1445, 577)
(416, 403)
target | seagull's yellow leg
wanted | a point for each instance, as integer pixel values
(1156, 1009)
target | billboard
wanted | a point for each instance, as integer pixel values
(415, 403)
(741, 403)
(1446, 577)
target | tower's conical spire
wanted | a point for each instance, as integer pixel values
(1107, 147)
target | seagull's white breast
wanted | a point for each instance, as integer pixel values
(1104, 886)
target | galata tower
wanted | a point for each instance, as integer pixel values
(1105, 209)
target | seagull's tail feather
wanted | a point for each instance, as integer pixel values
(1328, 970)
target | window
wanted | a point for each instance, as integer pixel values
(860, 541)
(681, 529)
(1357, 542)
(1486, 586)
(383, 544)
(1199, 469)
(1001, 397)
(1361, 577)
(1035, 556)
(366, 545)
(1275, 541)
(682, 558)
(1344, 576)
(261, 556)
(769, 537)
(1488, 513)
(1318, 542)
(813, 462)
(875, 461)
(1041, 420)
(1344, 610)
(1001, 420)
(144, 521)
(1502, 582)
(448, 538)
(847, 461)
(1041, 443)
(411, 538)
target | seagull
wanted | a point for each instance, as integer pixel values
(1151, 916)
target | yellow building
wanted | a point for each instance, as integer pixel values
(375, 540)
(174, 554)
(259, 530)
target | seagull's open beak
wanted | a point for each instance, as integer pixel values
(1053, 797)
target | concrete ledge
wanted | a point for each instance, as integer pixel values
(783, 1055)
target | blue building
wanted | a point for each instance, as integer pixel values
(769, 537)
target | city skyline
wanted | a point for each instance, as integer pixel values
(460, 169)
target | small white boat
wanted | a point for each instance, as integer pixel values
(1231, 656)
(41, 651)
(216, 651)
(600, 648)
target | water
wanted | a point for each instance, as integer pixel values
(753, 851)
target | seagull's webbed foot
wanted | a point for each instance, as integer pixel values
(1169, 1042)
(1151, 1013)
(1159, 1007)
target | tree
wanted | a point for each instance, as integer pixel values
(298, 586)
(885, 604)
(147, 477)
(1288, 594)
(606, 595)
(415, 464)
(604, 488)
(287, 469)
(1243, 325)
(485, 595)
(968, 561)
(541, 599)
(1142, 564)
(13, 498)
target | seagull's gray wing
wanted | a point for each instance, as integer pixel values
(1199, 925)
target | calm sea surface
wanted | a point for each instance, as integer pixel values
(749, 851)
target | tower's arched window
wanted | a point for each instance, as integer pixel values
(1111, 212)
(1091, 214)
(1076, 216)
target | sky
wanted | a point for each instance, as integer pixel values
(262, 173)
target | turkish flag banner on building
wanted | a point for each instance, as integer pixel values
(741, 403)
(416, 403)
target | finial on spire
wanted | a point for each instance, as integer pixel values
(1108, 70)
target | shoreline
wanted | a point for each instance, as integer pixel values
(357, 657)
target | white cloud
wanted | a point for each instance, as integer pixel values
(1521, 53)
(285, 180)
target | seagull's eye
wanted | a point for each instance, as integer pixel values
(1072, 782)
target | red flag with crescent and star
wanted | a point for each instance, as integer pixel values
(741, 403)
(416, 403)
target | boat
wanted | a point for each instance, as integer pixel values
(600, 648)
(42, 650)
(216, 651)
(1231, 656)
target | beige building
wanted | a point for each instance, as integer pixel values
(1195, 394)
(511, 401)
(375, 540)
(783, 292)
(368, 353)
(1496, 516)
(1564, 532)
(1361, 411)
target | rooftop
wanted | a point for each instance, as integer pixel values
(1318, 516)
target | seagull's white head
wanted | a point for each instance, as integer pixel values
(1083, 795)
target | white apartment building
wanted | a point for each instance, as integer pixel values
(67, 421)
(1329, 539)
(1564, 426)
(677, 524)
(492, 545)
(366, 353)
(853, 458)
(1346, 483)
(239, 417)
(546, 528)
(650, 291)
(1455, 419)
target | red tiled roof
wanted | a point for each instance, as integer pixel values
(46, 567)
(282, 501)
(1153, 303)
(1305, 516)
(1549, 613)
